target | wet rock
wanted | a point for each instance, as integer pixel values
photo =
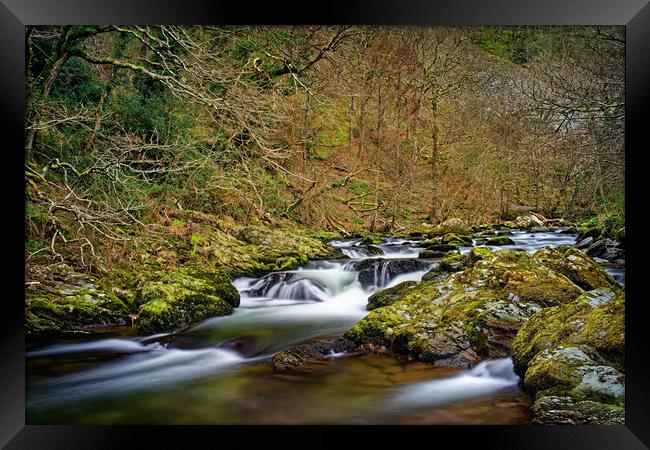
(376, 271)
(428, 253)
(443, 248)
(500, 240)
(593, 232)
(389, 295)
(374, 250)
(452, 263)
(229, 293)
(528, 221)
(262, 286)
(299, 355)
(585, 243)
(288, 285)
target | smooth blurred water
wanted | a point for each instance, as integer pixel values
(219, 370)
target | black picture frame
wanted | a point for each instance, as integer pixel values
(15, 14)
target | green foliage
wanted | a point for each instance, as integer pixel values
(78, 82)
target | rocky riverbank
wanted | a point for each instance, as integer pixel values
(176, 277)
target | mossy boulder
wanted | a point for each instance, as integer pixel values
(430, 254)
(500, 240)
(478, 254)
(77, 303)
(371, 240)
(179, 298)
(575, 351)
(472, 314)
(596, 319)
(577, 266)
(453, 263)
(387, 296)
(592, 232)
(456, 240)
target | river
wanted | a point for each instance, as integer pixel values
(219, 371)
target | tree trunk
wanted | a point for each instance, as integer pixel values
(433, 215)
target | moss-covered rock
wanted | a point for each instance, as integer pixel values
(78, 303)
(478, 254)
(595, 319)
(469, 315)
(453, 262)
(473, 313)
(576, 266)
(456, 240)
(430, 254)
(575, 351)
(176, 299)
(387, 296)
(500, 240)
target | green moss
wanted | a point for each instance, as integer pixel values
(72, 309)
(600, 327)
(456, 239)
(390, 295)
(575, 350)
(500, 240)
(175, 299)
(576, 266)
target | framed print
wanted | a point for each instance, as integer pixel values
(250, 222)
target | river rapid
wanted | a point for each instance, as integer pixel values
(219, 371)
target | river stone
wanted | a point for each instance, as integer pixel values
(374, 250)
(299, 355)
(368, 268)
(389, 295)
(262, 286)
(443, 248)
(428, 254)
(585, 243)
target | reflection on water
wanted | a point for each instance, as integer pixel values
(353, 390)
